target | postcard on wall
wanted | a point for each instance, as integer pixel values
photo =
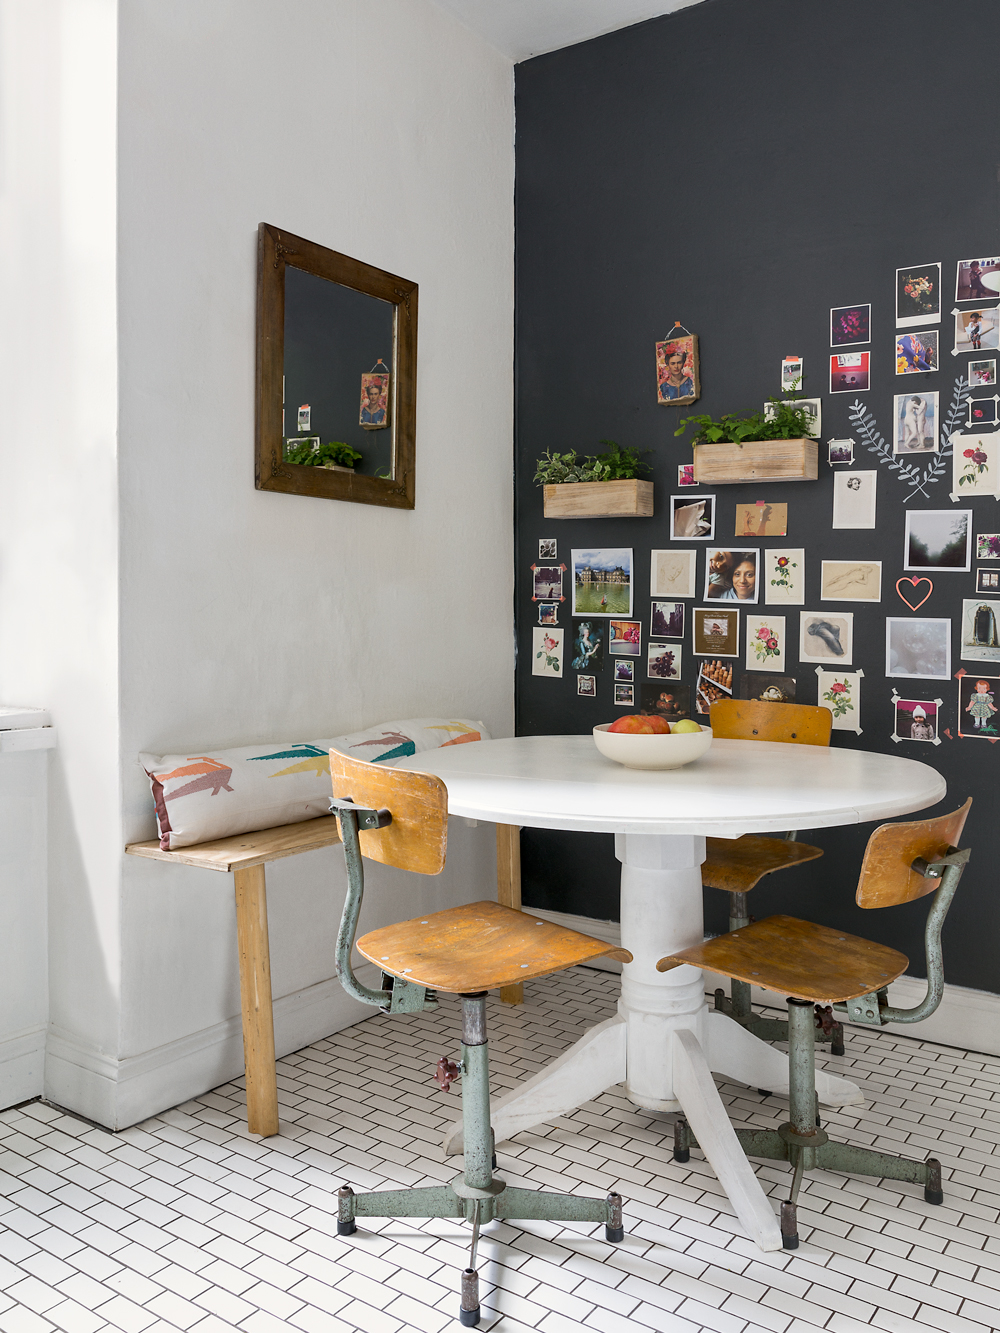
(672, 574)
(982, 374)
(938, 539)
(547, 548)
(731, 576)
(850, 324)
(374, 410)
(666, 620)
(814, 406)
(588, 645)
(663, 661)
(765, 643)
(547, 583)
(587, 686)
(916, 417)
(547, 652)
(548, 613)
(977, 279)
(917, 649)
(975, 466)
(840, 691)
(762, 520)
(840, 451)
(624, 638)
(670, 701)
(602, 581)
(685, 474)
(987, 580)
(767, 689)
(791, 374)
(625, 696)
(988, 546)
(716, 632)
(677, 369)
(916, 353)
(978, 710)
(692, 517)
(918, 295)
(851, 581)
(915, 719)
(715, 681)
(304, 417)
(826, 637)
(785, 577)
(980, 640)
(854, 499)
(849, 372)
(983, 411)
(624, 669)
(976, 330)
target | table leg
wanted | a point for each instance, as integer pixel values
(255, 994)
(739, 1055)
(509, 890)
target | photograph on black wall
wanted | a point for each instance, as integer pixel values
(982, 374)
(917, 353)
(602, 581)
(854, 499)
(938, 539)
(917, 649)
(916, 719)
(715, 682)
(666, 620)
(850, 324)
(765, 688)
(978, 716)
(663, 661)
(692, 517)
(547, 582)
(980, 641)
(840, 451)
(916, 423)
(677, 370)
(588, 645)
(731, 576)
(977, 279)
(671, 701)
(826, 637)
(586, 686)
(987, 580)
(918, 295)
(849, 372)
(716, 633)
(977, 330)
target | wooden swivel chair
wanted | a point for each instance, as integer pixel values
(401, 819)
(807, 962)
(737, 865)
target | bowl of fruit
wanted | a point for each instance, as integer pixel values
(652, 742)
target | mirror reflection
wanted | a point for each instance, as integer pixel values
(338, 381)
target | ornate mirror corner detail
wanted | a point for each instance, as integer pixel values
(336, 375)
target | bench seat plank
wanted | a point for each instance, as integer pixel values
(247, 849)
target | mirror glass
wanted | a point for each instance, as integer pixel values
(337, 374)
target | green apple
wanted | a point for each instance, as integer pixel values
(686, 724)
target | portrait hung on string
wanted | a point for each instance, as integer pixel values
(677, 379)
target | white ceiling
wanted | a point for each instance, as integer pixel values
(523, 28)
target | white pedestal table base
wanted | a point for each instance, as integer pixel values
(665, 1041)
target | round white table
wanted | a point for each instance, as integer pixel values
(664, 1041)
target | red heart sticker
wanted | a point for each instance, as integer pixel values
(914, 583)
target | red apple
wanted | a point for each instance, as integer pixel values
(636, 725)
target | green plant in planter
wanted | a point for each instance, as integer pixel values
(788, 422)
(615, 464)
(308, 455)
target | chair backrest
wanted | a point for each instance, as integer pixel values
(417, 838)
(754, 720)
(887, 877)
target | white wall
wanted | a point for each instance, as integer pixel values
(247, 615)
(58, 539)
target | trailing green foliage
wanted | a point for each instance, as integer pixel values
(307, 454)
(788, 422)
(615, 464)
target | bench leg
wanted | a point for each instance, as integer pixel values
(509, 889)
(255, 993)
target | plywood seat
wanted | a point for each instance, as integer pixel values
(797, 958)
(479, 947)
(738, 864)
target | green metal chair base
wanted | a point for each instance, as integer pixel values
(737, 1007)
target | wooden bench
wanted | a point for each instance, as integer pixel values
(244, 857)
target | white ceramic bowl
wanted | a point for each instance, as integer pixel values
(638, 750)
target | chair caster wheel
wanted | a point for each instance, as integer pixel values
(764, 1092)
(469, 1314)
(347, 1228)
(789, 1226)
(614, 1233)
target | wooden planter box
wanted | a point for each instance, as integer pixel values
(763, 460)
(599, 499)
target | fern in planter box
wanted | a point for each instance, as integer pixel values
(597, 486)
(616, 464)
(787, 421)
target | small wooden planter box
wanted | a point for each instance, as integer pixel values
(599, 499)
(763, 460)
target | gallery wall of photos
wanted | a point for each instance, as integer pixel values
(875, 589)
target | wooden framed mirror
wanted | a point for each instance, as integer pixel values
(336, 374)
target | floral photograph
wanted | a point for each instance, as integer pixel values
(918, 295)
(840, 691)
(765, 643)
(850, 324)
(547, 652)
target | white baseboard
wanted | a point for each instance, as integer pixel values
(968, 1019)
(119, 1093)
(22, 1064)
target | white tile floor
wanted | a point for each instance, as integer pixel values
(187, 1223)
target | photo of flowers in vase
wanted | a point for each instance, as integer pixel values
(982, 374)
(850, 324)
(988, 546)
(918, 295)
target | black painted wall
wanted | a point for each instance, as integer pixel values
(742, 166)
